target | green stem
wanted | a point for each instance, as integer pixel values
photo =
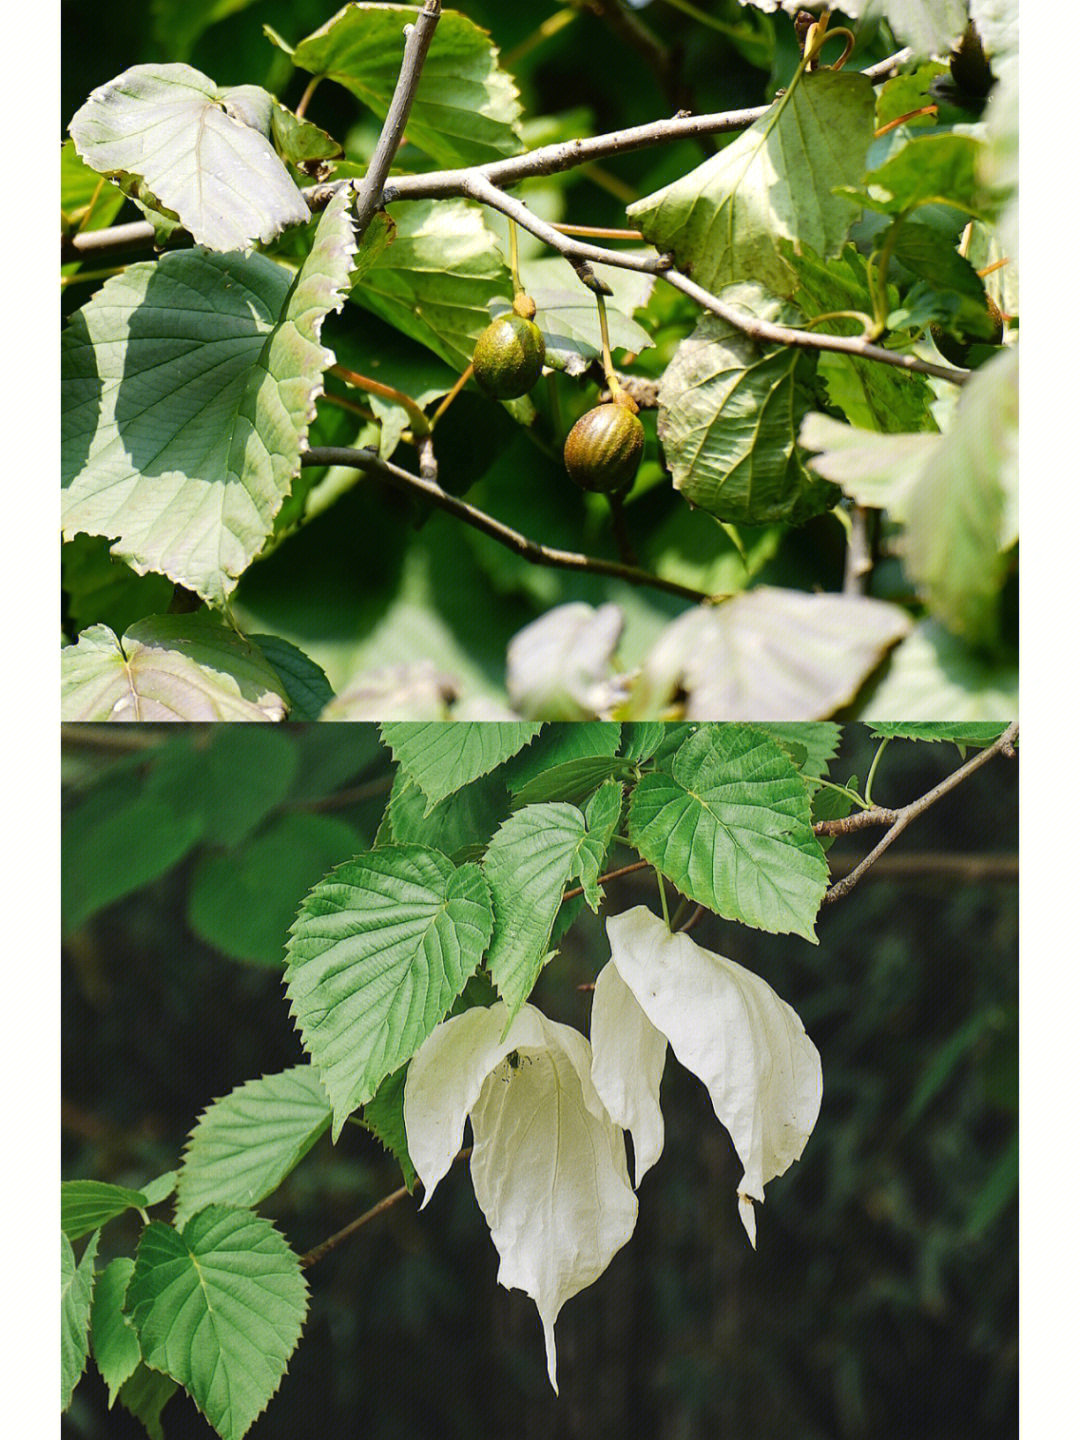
(873, 771)
(880, 279)
(305, 99)
(512, 231)
(663, 898)
(609, 367)
(843, 790)
(419, 421)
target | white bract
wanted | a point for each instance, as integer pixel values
(548, 1162)
(725, 1024)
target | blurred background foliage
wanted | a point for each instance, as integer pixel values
(369, 577)
(882, 1298)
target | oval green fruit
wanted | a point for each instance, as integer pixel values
(603, 450)
(508, 357)
(957, 348)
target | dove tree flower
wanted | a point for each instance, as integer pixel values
(548, 1162)
(725, 1024)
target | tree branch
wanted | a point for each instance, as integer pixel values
(545, 160)
(419, 37)
(369, 461)
(899, 820)
(313, 1256)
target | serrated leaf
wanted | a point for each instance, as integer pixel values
(929, 255)
(723, 220)
(531, 858)
(818, 744)
(874, 469)
(378, 953)
(246, 1143)
(465, 110)
(170, 667)
(243, 902)
(160, 1188)
(729, 416)
(640, 740)
(113, 1341)
(87, 1205)
(730, 827)
(166, 135)
(188, 387)
(573, 781)
(465, 820)
(220, 1308)
(76, 1294)
(384, 1117)
(933, 673)
(767, 654)
(101, 590)
(436, 279)
(728, 1027)
(558, 744)
(548, 1164)
(958, 734)
(444, 758)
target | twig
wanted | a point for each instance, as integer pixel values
(899, 820)
(545, 160)
(859, 560)
(125, 738)
(610, 875)
(430, 490)
(313, 1256)
(369, 192)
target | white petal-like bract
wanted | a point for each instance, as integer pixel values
(548, 1163)
(627, 1066)
(733, 1031)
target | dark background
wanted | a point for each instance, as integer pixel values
(882, 1297)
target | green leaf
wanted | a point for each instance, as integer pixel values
(86, 1205)
(101, 590)
(928, 170)
(928, 26)
(958, 734)
(933, 673)
(602, 816)
(874, 469)
(305, 684)
(114, 1342)
(145, 1395)
(383, 1116)
(531, 858)
(641, 740)
(170, 137)
(219, 1308)
(560, 743)
(817, 742)
(299, 141)
(434, 282)
(243, 903)
(442, 758)
(230, 778)
(729, 416)
(378, 953)
(928, 254)
(76, 1292)
(463, 821)
(572, 782)
(877, 397)
(170, 667)
(160, 1188)
(765, 654)
(723, 220)
(246, 1143)
(100, 862)
(731, 829)
(466, 108)
(187, 477)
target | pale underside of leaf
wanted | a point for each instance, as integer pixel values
(164, 131)
(170, 667)
(560, 667)
(188, 388)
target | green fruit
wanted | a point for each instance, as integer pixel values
(956, 349)
(508, 357)
(603, 450)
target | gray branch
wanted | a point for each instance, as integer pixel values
(430, 490)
